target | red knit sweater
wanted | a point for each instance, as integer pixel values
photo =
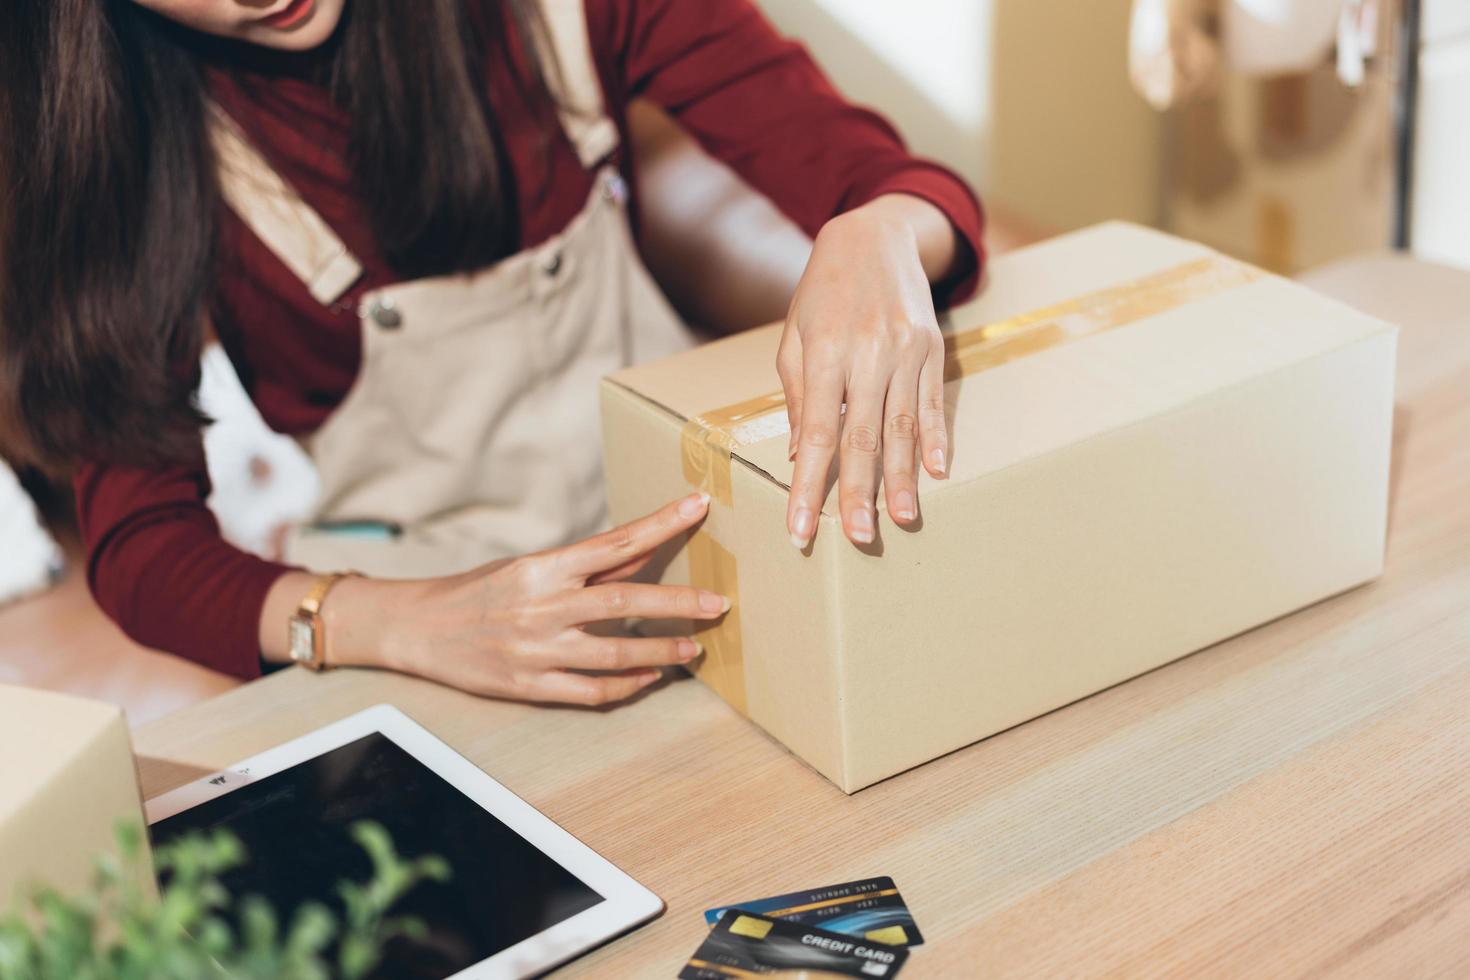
(156, 561)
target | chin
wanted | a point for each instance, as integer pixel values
(309, 33)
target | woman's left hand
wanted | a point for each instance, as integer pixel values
(862, 332)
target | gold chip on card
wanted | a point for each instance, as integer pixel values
(754, 928)
(892, 935)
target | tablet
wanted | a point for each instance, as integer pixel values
(525, 895)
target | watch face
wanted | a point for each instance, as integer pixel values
(301, 645)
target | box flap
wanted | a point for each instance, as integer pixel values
(1225, 324)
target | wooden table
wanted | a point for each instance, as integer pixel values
(1293, 801)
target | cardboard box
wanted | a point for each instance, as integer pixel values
(67, 777)
(1154, 447)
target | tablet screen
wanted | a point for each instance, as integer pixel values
(294, 827)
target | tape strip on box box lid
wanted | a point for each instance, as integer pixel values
(709, 439)
(722, 666)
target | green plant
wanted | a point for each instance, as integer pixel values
(120, 932)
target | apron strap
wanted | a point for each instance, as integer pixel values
(286, 224)
(575, 84)
(302, 240)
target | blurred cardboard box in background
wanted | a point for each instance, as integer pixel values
(67, 777)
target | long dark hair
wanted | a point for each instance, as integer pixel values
(108, 197)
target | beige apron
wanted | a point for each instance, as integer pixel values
(473, 425)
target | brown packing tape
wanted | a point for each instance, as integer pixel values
(705, 444)
(708, 439)
(721, 667)
(970, 351)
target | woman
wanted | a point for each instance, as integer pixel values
(406, 224)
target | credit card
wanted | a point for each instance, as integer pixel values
(743, 944)
(870, 908)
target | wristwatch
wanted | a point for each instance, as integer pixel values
(307, 635)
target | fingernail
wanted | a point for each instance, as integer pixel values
(693, 505)
(650, 677)
(939, 464)
(712, 603)
(903, 505)
(861, 521)
(801, 527)
(688, 649)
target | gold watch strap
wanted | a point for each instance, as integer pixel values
(311, 606)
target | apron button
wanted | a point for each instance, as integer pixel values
(553, 265)
(385, 314)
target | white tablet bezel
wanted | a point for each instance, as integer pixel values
(627, 903)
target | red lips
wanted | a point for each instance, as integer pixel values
(294, 13)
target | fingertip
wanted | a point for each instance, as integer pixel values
(644, 679)
(801, 525)
(903, 508)
(694, 505)
(713, 604)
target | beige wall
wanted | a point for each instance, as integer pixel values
(922, 63)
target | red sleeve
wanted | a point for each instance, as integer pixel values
(758, 102)
(158, 567)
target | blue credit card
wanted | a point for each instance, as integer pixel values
(870, 908)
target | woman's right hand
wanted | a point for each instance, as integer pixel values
(514, 628)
